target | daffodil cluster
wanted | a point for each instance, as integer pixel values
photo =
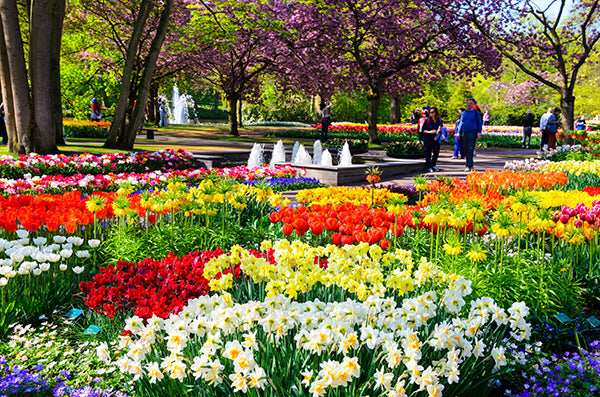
(363, 269)
(417, 346)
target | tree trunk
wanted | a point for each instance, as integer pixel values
(394, 110)
(373, 99)
(58, 16)
(40, 67)
(233, 124)
(119, 120)
(23, 119)
(7, 96)
(240, 118)
(567, 107)
(137, 118)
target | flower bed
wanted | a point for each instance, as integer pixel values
(352, 292)
(85, 129)
(59, 164)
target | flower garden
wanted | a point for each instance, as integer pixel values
(136, 275)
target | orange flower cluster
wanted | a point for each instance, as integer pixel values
(51, 211)
(459, 192)
(512, 181)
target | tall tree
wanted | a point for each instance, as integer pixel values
(541, 40)
(233, 44)
(32, 95)
(143, 48)
(386, 39)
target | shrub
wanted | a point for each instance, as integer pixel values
(85, 129)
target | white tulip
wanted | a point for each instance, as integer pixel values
(78, 269)
(94, 243)
(82, 254)
(66, 253)
(37, 272)
(67, 246)
(45, 266)
(59, 239)
(11, 274)
(3, 281)
(22, 233)
(63, 267)
(4, 270)
(16, 257)
(40, 241)
(54, 247)
(53, 257)
(77, 241)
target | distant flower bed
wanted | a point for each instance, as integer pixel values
(354, 144)
(59, 164)
(85, 129)
(408, 147)
(279, 178)
(412, 128)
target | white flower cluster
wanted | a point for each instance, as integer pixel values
(35, 256)
(525, 165)
(400, 339)
(546, 152)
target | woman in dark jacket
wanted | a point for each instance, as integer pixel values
(431, 139)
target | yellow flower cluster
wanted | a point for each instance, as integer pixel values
(557, 198)
(355, 195)
(360, 269)
(576, 167)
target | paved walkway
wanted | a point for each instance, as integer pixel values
(486, 158)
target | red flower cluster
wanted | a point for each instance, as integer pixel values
(151, 287)
(53, 211)
(345, 223)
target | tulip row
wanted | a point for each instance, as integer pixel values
(86, 163)
(412, 129)
(155, 179)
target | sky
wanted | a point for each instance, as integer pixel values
(555, 6)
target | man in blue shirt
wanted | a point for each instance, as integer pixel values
(469, 128)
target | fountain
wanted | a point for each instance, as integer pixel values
(295, 151)
(346, 156)
(326, 158)
(302, 157)
(256, 156)
(317, 152)
(180, 108)
(278, 153)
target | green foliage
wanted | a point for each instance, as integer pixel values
(405, 147)
(513, 115)
(354, 144)
(513, 141)
(581, 181)
(355, 108)
(275, 105)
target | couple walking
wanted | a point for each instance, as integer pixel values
(468, 130)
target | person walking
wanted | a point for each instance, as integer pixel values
(431, 139)
(458, 141)
(486, 118)
(325, 119)
(164, 115)
(3, 132)
(549, 128)
(527, 129)
(580, 124)
(470, 129)
(96, 114)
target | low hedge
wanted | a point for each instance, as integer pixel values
(85, 129)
